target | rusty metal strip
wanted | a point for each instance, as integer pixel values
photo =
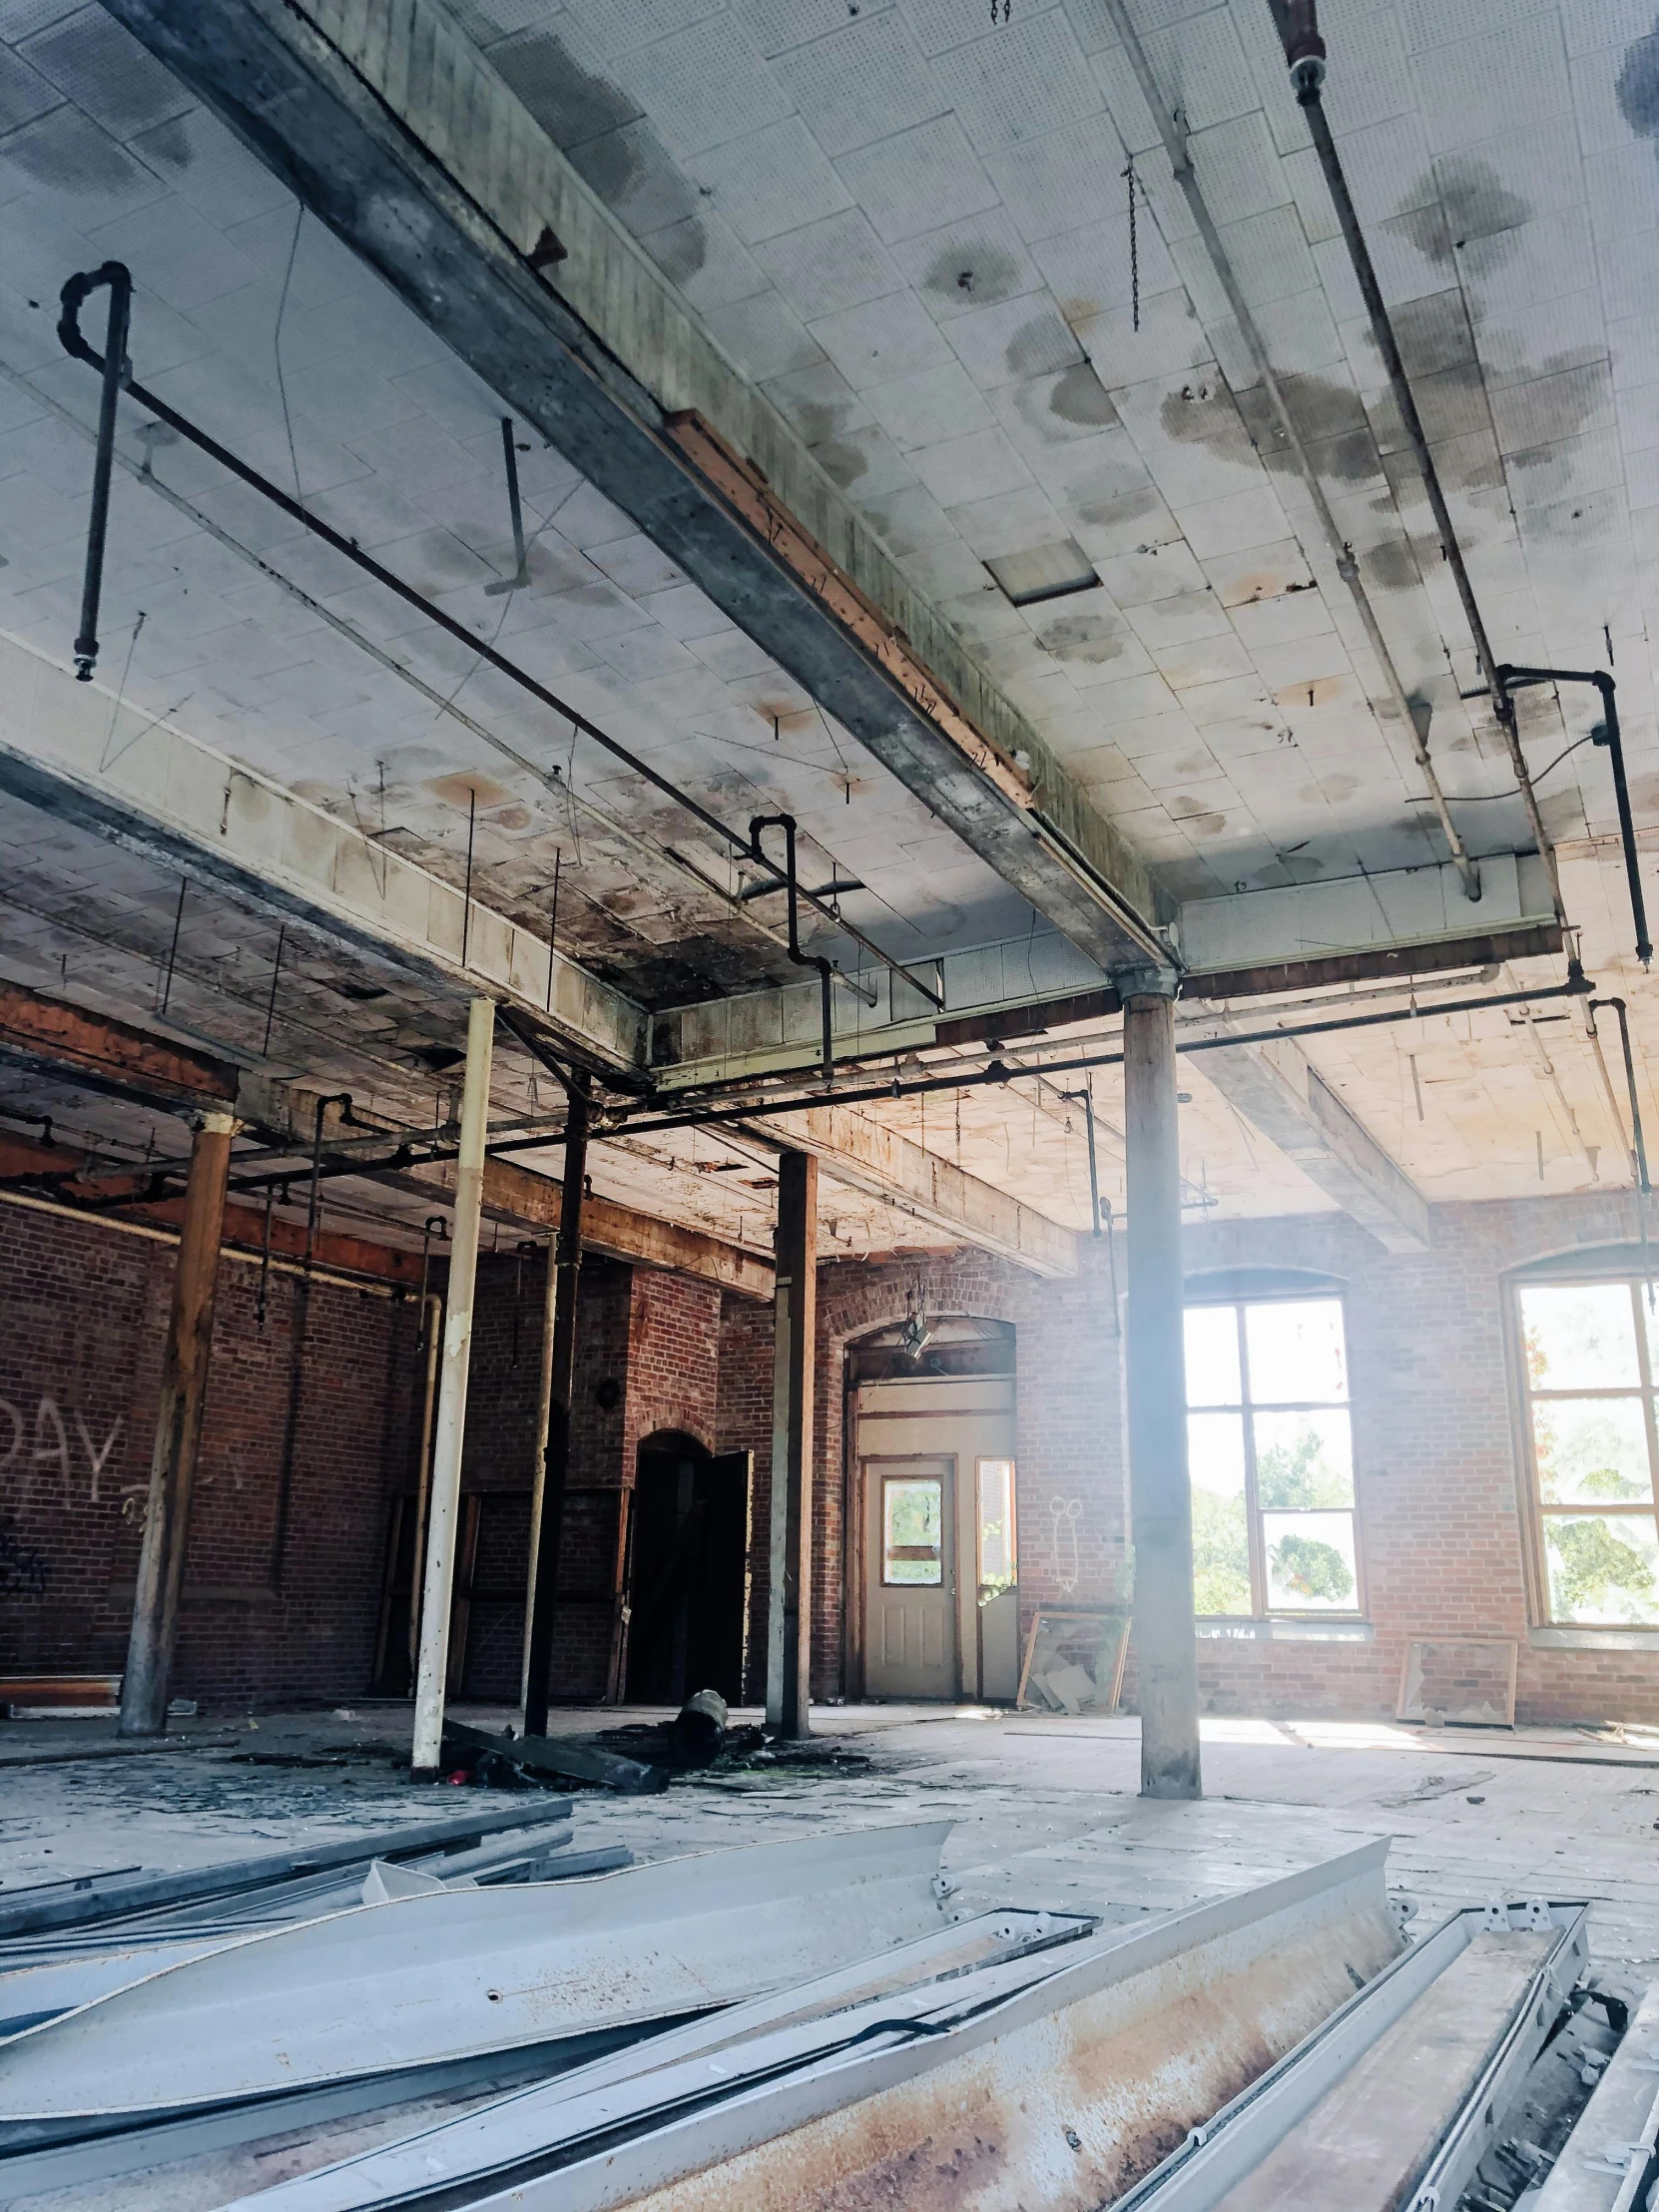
(743, 489)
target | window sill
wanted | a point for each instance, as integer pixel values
(1593, 1639)
(1286, 1632)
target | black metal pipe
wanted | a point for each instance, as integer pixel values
(75, 344)
(1304, 54)
(115, 370)
(1607, 734)
(826, 972)
(1637, 1139)
(1578, 986)
(418, 1152)
(566, 1259)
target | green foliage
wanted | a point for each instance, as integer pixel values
(1312, 1569)
(1295, 1479)
(1591, 1563)
(1221, 1554)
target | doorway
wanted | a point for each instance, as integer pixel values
(910, 1577)
(687, 1572)
(933, 1596)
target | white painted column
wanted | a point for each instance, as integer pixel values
(445, 1512)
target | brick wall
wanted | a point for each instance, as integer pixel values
(647, 1342)
(83, 1313)
(1440, 1480)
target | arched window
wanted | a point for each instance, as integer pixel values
(1270, 1445)
(1588, 1338)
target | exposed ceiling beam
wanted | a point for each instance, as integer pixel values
(865, 1156)
(399, 133)
(1280, 1092)
(1390, 923)
(617, 1232)
(53, 1171)
(165, 795)
(47, 1036)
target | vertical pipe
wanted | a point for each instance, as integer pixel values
(178, 1432)
(544, 1419)
(790, 1609)
(115, 370)
(1160, 1496)
(558, 1379)
(451, 1421)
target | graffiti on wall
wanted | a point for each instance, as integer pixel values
(23, 1570)
(60, 1458)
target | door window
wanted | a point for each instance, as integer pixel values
(912, 1531)
(996, 1524)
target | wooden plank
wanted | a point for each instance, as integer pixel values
(51, 1037)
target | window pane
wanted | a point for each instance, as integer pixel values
(1213, 1356)
(1590, 1450)
(1295, 1351)
(912, 1528)
(1303, 1460)
(1311, 1565)
(997, 1523)
(1580, 1337)
(1221, 1538)
(1603, 1567)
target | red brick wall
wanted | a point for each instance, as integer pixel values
(83, 1310)
(1440, 1480)
(657, 1339)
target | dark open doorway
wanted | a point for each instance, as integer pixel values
(687, 1575)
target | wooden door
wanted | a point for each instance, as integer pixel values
(910, 1578)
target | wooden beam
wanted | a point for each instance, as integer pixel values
(866, 1156)
(614, 1232)
(48, 1037)
(1280, 1092)
(185, 1361)
(56, 1171)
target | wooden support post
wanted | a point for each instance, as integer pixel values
(558, 1372)
(452, 1422)
(1161, 1511)
(790, 1615)
(190, 1331)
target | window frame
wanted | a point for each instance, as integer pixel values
(1238, 1299)
(1535, 1511)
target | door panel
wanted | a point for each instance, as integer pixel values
(910, 1577)
(968, 1422)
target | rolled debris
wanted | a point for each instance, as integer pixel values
(699, 1732)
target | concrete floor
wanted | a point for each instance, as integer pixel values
(1046, 1811)
(1045, 1807)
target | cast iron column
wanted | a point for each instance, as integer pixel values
(1161, 1509)
(456, 1357)
(190, 1332)
(790, 1611)
(558, 1369)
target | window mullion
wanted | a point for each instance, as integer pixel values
(1252, 1517)
(1644, 1368)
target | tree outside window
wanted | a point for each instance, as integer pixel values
(1589, 1354)
(1270, 1454)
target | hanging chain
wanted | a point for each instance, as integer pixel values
(1134, 248)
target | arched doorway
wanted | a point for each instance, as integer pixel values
(688, 1571)
(935, 1606)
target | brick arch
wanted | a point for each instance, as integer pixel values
(969, 1283)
